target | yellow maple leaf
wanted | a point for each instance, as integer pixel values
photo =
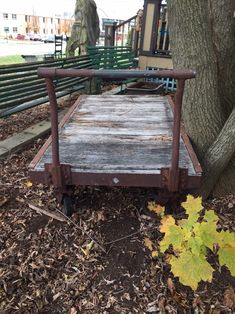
(191, 269)
(148, 243)
(157, 209)
(166, 222)
(192, 204)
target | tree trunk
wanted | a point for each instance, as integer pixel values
(202, 38)
(85, 30)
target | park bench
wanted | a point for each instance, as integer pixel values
(113, 57)
(21, 88)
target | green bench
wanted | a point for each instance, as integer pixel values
(21, 88)
(113, 57)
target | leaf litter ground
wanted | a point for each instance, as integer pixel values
(48, 266)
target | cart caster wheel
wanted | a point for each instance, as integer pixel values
(67, 205)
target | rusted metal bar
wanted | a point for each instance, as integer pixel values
(125, 22)
(55, 170)
(106, 179)
(54, 121)
(174, 174)
(188, 145)
(115, 74)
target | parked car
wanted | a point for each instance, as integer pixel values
(37, 37)
(34, 37)
(49, 39)
(20, 37)
(30, 35)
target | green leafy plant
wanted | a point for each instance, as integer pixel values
(191, 239)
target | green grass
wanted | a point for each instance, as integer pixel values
(11, 60)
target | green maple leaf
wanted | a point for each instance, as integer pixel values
(210, 217)
(226, 252)
(195, 244)
(174, 236)
(192, 207)
(191, 269)
(207, 229)
(207, 232)
(191, 238)
(192, 204)
(226, 238)
(227, 258)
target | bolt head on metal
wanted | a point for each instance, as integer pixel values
(115, 180)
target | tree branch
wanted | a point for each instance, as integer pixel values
(218, 156)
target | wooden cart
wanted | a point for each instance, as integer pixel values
(119, 140)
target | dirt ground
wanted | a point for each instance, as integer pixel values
(95, 262)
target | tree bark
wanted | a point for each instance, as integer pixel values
(202, 38)
(85, 30)
(222, 22)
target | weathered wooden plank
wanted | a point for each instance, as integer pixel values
(118, 156)
(126, 119)
(126, 134)
(113, 129)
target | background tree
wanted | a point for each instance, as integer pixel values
(33, 24)
(85, 30)
(66, 26)
(202, 38)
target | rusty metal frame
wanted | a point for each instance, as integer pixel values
(188, 145)
(172, 179)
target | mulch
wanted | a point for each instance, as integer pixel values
(95, 262)
(18, 122)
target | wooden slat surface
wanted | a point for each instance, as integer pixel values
(120, 133)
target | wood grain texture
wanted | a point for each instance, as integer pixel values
(126, 134)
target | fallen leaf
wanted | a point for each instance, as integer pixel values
(152, 309)
(56, 296)
(87, 249)
(214, 311)
(148, 243)
(197, 303)
(154, 254)
(29, 184)
(170, 285)
(127, 296)
(229, 298)
(100, 216)
(157, 209)
(161, 305)
(73, 311)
